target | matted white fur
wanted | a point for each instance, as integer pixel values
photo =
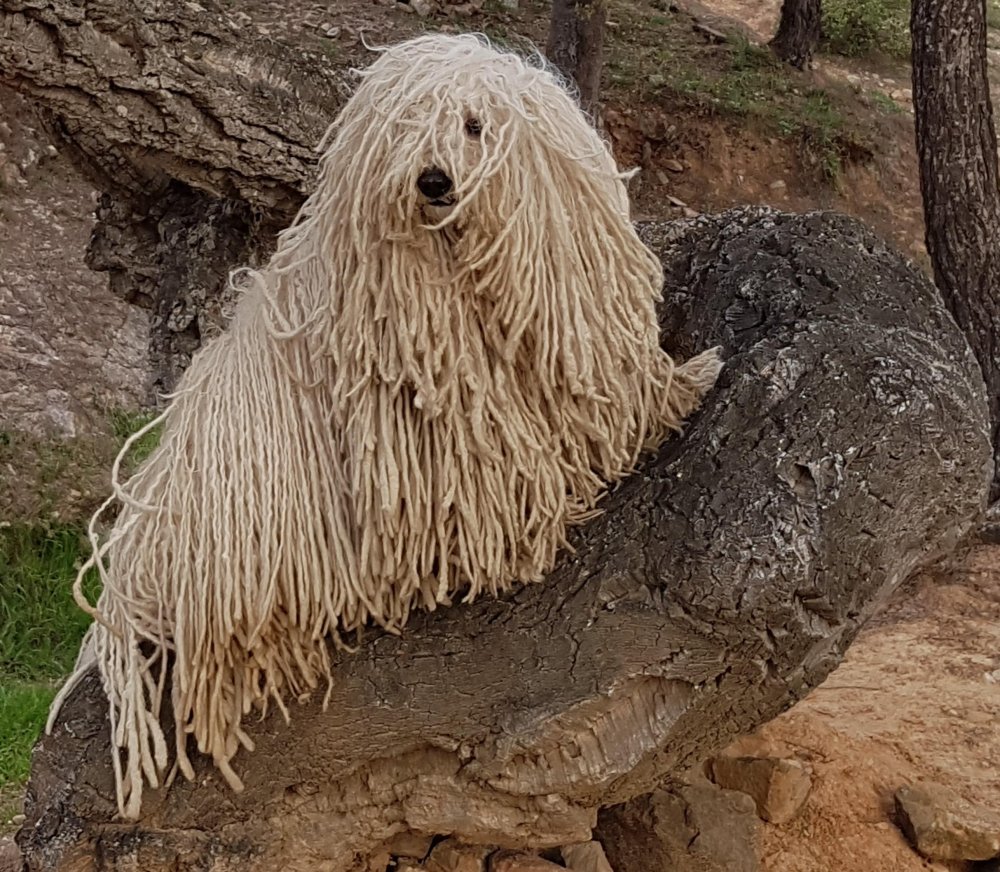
(413, 401)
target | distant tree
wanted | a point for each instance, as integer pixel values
(576, 44)
(959, 178)
(798, 32)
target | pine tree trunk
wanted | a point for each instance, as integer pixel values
(576, 45)
(959, 178)
(798, 32)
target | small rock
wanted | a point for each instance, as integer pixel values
(421, 7)
(409, 845)
(943, 826)
(695, 828)
(586, 857)
(662, 177)
(676, 201)
(653, 127)
(675, 166)
(778, 787)
(710, 33)
(18, 819)
(452, 856)
(509, 4)
(514, 861)
(647, 153)
(779, 187)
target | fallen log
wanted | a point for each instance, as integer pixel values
(846, 445)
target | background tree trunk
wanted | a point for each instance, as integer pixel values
(959, 179)
(845, 446)
(576, 45)
(798, 32)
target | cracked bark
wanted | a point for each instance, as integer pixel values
(846, 445)
(959, 175)
(200, 133)
(798, 32)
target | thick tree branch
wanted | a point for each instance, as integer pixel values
(846, 445)
(201, 134)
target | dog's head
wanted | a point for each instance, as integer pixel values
(446, 132)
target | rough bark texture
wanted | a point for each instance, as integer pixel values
(798, 32)
(846, 444)
(959, 178)
(201, 134)
(576, 45)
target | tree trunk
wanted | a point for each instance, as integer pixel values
(798, 32)
(576, 45)
(844, 447)
(959, 179)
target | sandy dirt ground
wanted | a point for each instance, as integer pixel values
(917, 698)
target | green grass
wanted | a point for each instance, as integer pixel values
(23, 709)
(884, 103)
(40, 624)
(125, 422)
(40, 632)
(993, 14)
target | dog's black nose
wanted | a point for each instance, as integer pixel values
(434, 183)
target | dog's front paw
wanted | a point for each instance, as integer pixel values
(701, 371)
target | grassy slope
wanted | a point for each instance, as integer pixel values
(40, 624)
(40, 632)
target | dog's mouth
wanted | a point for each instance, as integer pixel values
(439, 208)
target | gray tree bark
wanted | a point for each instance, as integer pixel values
(959, 176)
(846, 445)
(575, 45)
(799, 30)
(200, 133)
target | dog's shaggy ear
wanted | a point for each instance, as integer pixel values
(394, 417)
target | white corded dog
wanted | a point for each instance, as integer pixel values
(452, 351)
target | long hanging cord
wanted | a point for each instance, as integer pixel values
(406, 407)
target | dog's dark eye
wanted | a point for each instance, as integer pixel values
(473, 127)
